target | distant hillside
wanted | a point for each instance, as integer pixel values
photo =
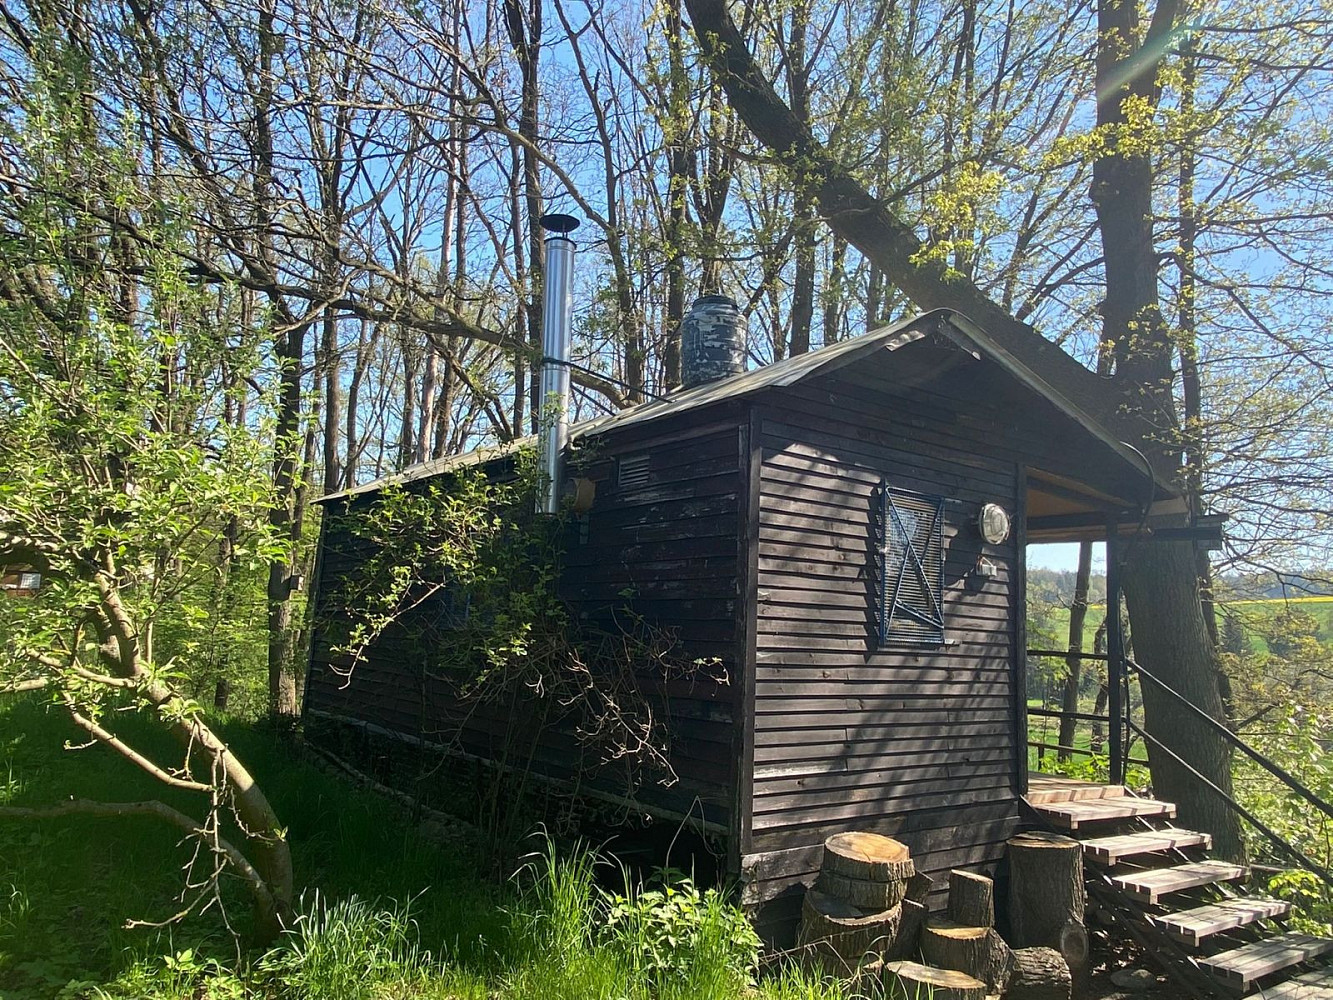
(1055, 586)
(1257, 586)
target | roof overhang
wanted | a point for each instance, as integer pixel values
(953, 326)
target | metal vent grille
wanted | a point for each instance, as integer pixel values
(632, 472)
(909, 541)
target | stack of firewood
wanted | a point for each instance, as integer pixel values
(867, 914)
(964, 941)
(868, 902)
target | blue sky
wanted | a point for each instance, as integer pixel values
(1064, 556)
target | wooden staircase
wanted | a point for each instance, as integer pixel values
(1188, 911)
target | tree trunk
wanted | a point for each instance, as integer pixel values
(1122, 194)
(868, 856)
(678, 184)
(289, 349)
(834, 293)
(1161, 580)
(839, 935)
(1047, 895)
(1078, 615)
(1161, 591)
(908, 939)
(803, 284)
(525, 35)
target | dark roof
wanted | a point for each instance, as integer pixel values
(1088, 399)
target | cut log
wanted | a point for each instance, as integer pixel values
(911, 981)
(867, 894)
(1047, 896)
(955, 946)
(841, 935)
(971, 899)
(978, 951)
(1039, 974)
(905, 944)
(919, 887)
(868, 856)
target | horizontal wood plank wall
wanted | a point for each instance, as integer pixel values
(665, 550)
(914, 742)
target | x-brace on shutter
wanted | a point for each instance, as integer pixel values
(910, 547)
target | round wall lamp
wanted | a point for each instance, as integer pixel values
(994, 524)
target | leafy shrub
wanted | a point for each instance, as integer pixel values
(574, 939)
(677, 931)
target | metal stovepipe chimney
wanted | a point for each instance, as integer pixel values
(557, 320)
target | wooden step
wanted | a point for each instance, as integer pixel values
(1240, 967)
(1074, 815)
(1045, 788)
(1109, 850)
(1192, 926)
(1317, 985)
(1150, 886)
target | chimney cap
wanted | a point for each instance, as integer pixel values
(555, 222)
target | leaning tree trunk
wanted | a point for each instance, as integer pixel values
(1160, 582)
(1122, 189)
(1161, 579)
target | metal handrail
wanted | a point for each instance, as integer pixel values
(1065, 654)
(1276, 770)
(1291, 851)
(1272, 768)
(1055, 713)
(1084, 751)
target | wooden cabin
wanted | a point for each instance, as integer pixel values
(818, 526)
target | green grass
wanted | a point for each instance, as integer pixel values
(384, 913)
(93, 875)
(1255, 616)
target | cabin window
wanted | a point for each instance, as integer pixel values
(909, 544)
(632, 472)
(30, 581)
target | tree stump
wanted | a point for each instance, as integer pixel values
(834, 929)
(971, 899)
(1047, 896)
(911, 981)
(978, 951)
(1039, 974)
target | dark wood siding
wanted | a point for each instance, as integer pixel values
(917, 742)
(664, 551)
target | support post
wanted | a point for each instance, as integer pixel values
(1115, 658)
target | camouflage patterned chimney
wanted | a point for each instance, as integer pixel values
(712, 341)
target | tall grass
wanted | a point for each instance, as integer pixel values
(345, 948)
